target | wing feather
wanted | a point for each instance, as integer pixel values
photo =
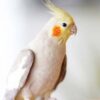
(19, 73)
(63, 72)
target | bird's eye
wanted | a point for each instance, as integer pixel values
(64, 24)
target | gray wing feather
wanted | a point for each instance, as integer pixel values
(63, 69)
(63, 72)
(19, 73)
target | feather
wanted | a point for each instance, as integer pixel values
(59, 12)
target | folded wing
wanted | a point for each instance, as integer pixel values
(19, 73)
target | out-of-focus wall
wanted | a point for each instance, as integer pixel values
(20, 22)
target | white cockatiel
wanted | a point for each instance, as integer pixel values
(42, 65)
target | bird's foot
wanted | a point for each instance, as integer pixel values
(52, 99)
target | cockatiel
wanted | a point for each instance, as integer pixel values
(42, 65)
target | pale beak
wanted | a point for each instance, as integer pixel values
(73, 29)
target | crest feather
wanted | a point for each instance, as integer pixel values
(57, 11)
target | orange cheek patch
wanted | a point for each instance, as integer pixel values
(56, 31)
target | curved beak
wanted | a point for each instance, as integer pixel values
(73, 29)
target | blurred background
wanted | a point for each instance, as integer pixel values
(20, 22)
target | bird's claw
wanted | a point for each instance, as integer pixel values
(52, 99)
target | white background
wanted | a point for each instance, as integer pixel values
(20, 22)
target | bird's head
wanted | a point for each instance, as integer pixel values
(62, 25)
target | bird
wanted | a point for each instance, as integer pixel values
(41, 66)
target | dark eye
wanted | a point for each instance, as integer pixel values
(64, 24)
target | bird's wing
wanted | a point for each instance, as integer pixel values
(63, 72)
(19, 73)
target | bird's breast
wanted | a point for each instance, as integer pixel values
(46, 69)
